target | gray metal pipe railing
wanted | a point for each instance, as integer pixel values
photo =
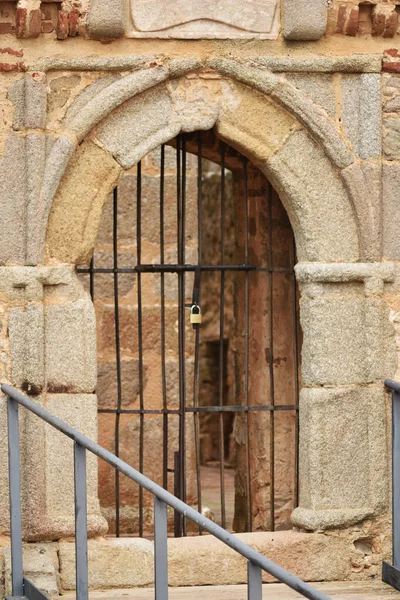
(391, 573)
(256, 561)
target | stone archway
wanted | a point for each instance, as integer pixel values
(116, 121)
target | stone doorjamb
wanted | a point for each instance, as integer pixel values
(62, 179)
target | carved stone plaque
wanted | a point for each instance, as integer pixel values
(204, 19)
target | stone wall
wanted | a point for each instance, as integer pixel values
(315, 110)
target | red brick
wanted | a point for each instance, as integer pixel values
(47, 27)
(6, 28)
(391, 67)
(62, 25)
(73, 23)
(11, 50)
(20, 24)
(35, 23)
(352, 22)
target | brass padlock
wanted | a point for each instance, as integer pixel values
(195, 314)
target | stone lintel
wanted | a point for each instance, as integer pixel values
(344, 272)
(354, 63)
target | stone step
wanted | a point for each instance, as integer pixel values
(335, 590)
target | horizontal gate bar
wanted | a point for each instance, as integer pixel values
(183, 268)
(196, 409)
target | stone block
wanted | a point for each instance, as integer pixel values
(207, 561)
(107, 392)
(304, 20)
(364, 186)
(319, 87)
(110, 98)
(189, 19)
(70, 347)
(344, 336)
(80, 412)
(107, 19)
(391, 137)
(319, 210)
(29, 96)
(344, 475)
(139, 126)
(88, 94)
(40, 567)
(26, 331)
(362, 113)
(13, 199)
(4, 492)
(76, 210)
(253, 123)
(115, 563)
(391, 211)
(315, 121)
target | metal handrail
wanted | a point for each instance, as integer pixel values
(391, 573)
(256, 561)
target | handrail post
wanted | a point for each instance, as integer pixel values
(81, 543)
(160, 550)
(15, 498)
(391, 574)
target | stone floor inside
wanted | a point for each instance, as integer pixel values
(374, 590)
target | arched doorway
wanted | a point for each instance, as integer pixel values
(209, 411)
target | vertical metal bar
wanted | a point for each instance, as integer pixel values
(271, 360)
(163, 366)
(177, 491)
(221, 343)
(254, 582)
(246, 375)
(140, 334)
(160, 549)
(396, 478)
(91, 278)
(182, 330)
(15, 498)
(197, 340)
(296, 375)
(117, 358)
(81, 545)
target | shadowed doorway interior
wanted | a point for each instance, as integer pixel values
(210, 410)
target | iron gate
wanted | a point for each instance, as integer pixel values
(243, 271)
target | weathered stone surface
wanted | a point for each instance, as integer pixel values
(107, 383)
(70, 349)
(304, 20)
(26, 331)
(139, 126)
(316, 121)
(341, 322)
(40, 567)
(107, 19)
(88, 94)
(112, 97)
(254, 124)
(13, 202)
(361, 113)
(80, 412)
(29, 96)
(391, 211)
(355, 63)
(318, 207)
(112, 563)
(391, 137)
(206, 560)
(342, 483)
(363, 184)
(60, 90)
(76, 211)
(191, 19)
(319, 87)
